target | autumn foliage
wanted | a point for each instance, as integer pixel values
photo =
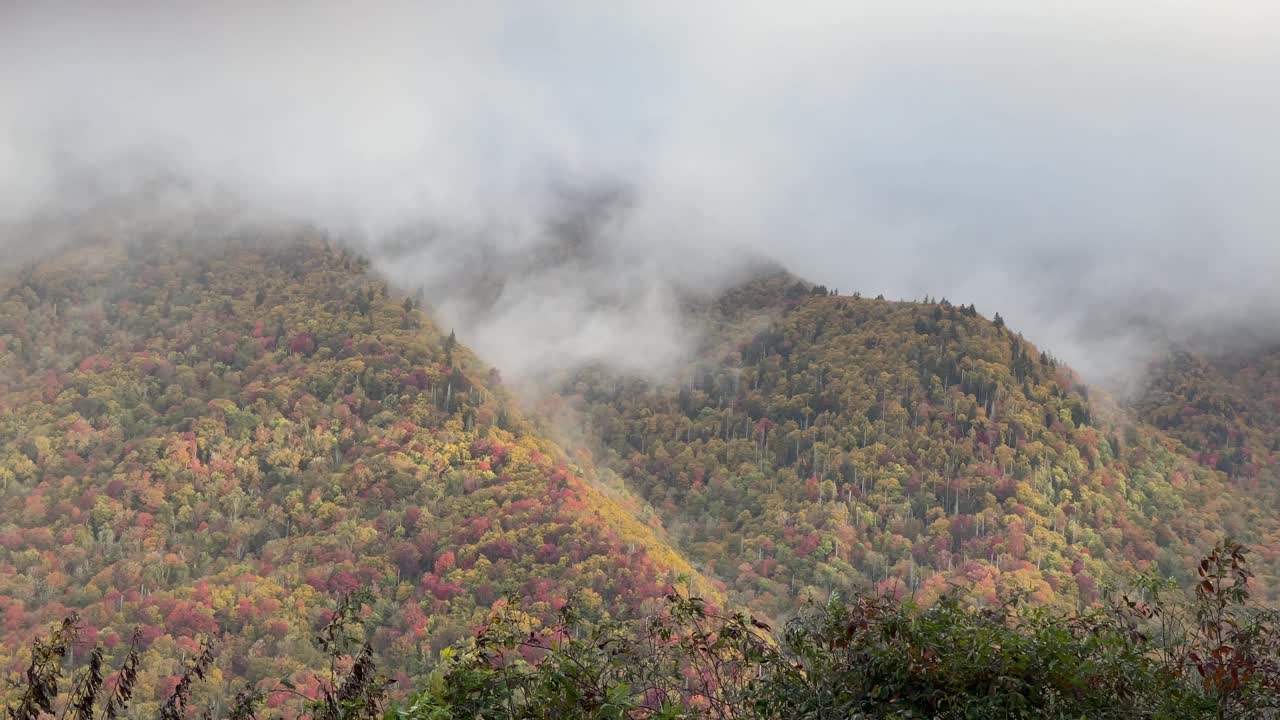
(209, 443)
(213, 442)
(822, 444)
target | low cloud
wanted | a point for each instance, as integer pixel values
(1100, 175)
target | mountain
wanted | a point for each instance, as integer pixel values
(219, 438)
(822, 443)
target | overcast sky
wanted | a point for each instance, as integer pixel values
(1075, 166)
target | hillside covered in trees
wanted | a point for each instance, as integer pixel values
(200, 441)
(224, 443)
(1226, 409)
(824, 443)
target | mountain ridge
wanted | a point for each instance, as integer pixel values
(215, 438)
(215, 441)
(934, 390)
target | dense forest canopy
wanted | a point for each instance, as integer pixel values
(216, 441)
(224, 443)
(850, 442)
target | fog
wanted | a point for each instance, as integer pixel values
(553, 174)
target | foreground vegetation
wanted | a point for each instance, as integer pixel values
(1141, 655)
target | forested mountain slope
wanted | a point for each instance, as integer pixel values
(216, 440)
(830, 443)
(1226, 409)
